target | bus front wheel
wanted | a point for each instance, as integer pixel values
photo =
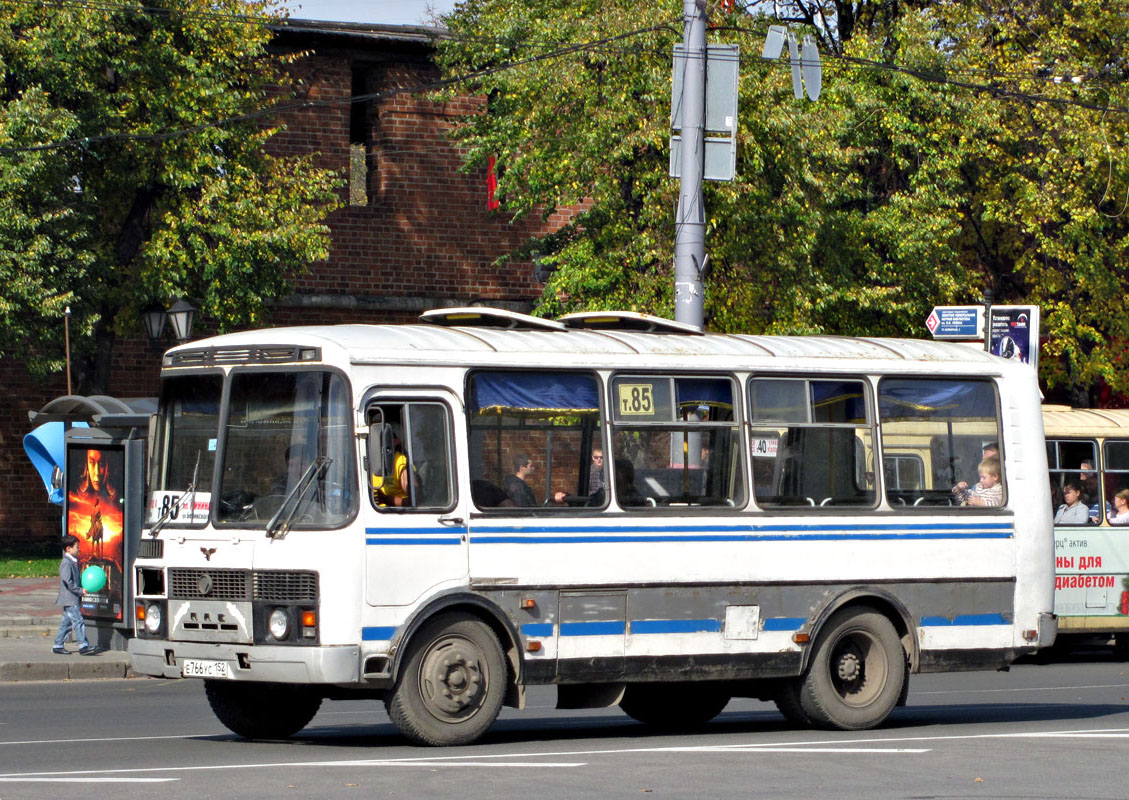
(452, 683)
(857, 671)
(261, 710)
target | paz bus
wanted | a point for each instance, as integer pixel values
(1090, 449)
(440, 515)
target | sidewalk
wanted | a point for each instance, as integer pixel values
(29, 620)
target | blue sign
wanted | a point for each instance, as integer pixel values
(956, 322)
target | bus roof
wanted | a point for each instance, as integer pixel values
(475, 345)
(1089, 422)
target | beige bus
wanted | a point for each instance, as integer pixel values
(1088, 449)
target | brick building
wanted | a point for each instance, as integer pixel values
(414, 233)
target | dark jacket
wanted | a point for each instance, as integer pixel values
(70, 590)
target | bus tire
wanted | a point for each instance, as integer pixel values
(856, 673)
(787, 699)
(261, 710)
(452, 683)
(673, 706)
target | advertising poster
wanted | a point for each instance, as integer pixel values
(95, 514)
(1091, 572)
(1014, 332)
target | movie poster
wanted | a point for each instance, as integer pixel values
(96, 517)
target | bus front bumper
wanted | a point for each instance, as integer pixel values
(272, 664)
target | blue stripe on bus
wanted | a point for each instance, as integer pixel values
(964, 619)
(612, 534)
(387, 540)
(675, 626)
(943, 527)
(783, 623)
(537, 629)
(610, 628)
(377, 634)
(447, 529)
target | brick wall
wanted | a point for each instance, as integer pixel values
(423, 239)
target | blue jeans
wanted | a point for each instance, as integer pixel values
(72, 619)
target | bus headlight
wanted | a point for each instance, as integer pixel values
(153, 617)
(279, 624)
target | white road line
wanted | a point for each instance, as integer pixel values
(512, 760)
(88, 780)
(119, 738)
(915, 693)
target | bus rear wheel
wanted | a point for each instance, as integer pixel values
(261, 710)
(673, 706)
(857, 671)
(452, 684)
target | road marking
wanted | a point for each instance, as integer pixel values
(916, 693)
(120, 738)
(88, 780)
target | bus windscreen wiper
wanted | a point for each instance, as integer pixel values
(174, 507)
(279, 524)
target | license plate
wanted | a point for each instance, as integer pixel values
(205, 669)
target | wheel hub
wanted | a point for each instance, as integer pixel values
(850, 667)
(451, 679)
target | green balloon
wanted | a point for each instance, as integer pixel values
(93, 579)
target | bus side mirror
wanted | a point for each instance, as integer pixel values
(381, 454)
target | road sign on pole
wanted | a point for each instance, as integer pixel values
(956, 322)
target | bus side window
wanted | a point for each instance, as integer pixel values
(422, 463)
(945, 425)
(817, 437)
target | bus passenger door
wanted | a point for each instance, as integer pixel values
(415, 530)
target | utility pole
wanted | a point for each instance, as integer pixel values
(690, 224)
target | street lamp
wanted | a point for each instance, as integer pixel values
(153, 316)
(180, 315)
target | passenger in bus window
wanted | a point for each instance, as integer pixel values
(595, 495)
(989, 491)
(1120, 513)
(1088, 478)
(516, 488)
(1073, 511)
(625, 490)
(990, 450)
(395, 492)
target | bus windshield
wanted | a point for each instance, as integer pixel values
(185, 449)
(278, 426)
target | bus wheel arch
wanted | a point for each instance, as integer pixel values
(486, 612)
(881, 601)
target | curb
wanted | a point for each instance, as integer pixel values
(89, 668)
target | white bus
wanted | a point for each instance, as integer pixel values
(439, 515)
(1088, 456)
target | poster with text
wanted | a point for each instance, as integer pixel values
(1014, 332)
(96, 517)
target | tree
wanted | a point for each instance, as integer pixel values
(134, 167)
(942, 161)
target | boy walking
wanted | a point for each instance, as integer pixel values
(70, 598)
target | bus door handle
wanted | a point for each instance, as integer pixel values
(451, 521)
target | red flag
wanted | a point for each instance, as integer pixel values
(492, 203)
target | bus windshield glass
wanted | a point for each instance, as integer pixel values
(185, 449)
(288, 439)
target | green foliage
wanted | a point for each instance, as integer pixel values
(941, 161)
(155, 201)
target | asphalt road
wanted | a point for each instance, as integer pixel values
(1039, 731)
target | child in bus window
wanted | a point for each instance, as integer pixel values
(1120, 513)
(989, 491)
